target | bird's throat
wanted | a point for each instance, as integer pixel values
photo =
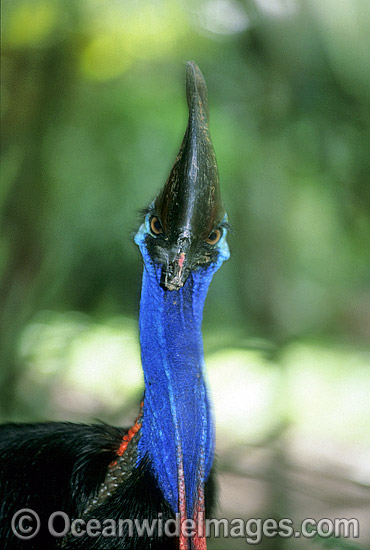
(177, 434)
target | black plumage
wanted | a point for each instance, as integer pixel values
(58, 466)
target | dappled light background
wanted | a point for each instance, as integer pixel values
(93, 113)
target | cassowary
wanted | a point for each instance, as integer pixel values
(161, 468)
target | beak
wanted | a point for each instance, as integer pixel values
(176, 271)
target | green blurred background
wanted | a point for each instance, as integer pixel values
(93, 113)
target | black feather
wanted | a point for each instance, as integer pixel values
(54, 466)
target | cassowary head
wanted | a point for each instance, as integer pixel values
(186, 224)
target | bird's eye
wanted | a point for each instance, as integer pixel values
(214, 236)
(155, 226)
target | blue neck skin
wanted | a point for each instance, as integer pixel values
(177, 434)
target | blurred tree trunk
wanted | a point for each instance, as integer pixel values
(38, 84)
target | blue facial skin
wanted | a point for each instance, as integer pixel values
(177, 427)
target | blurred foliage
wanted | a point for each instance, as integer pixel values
(93, 113)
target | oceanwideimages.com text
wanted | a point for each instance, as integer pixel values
(26, 524)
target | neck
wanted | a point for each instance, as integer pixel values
(177, 434)
(177, 431)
